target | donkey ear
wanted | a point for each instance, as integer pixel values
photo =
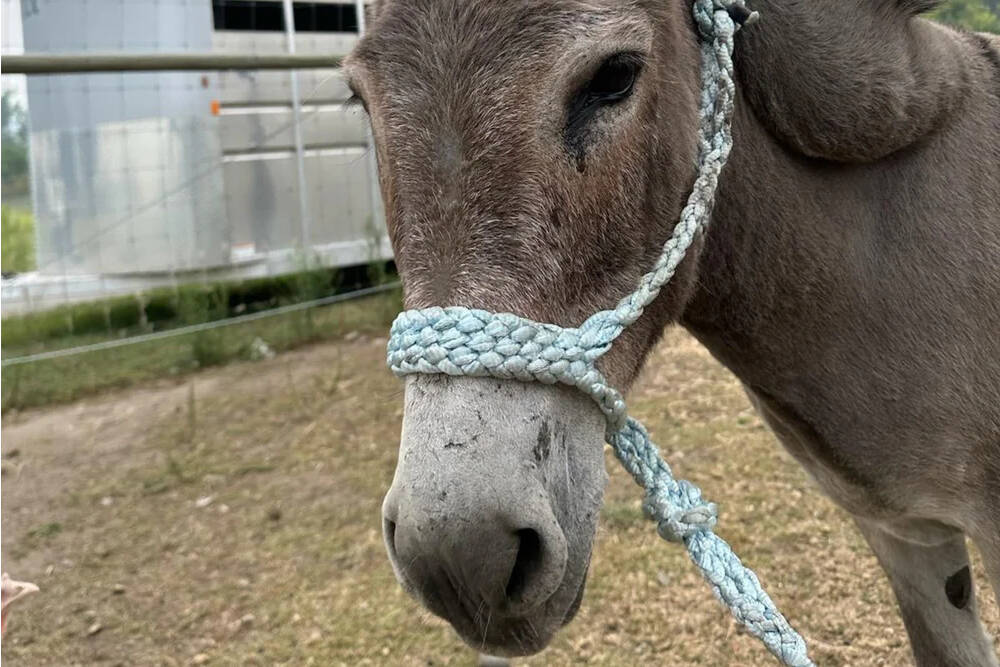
(917, 6)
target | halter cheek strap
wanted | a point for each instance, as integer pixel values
(476, 343)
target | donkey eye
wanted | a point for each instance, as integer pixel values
(612, 83)
(615, 78)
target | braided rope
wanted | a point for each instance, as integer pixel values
(465, 342)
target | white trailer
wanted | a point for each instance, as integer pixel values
(154, 178)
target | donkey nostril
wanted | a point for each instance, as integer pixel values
(526, 565)
(389, 531)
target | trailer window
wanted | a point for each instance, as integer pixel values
(268, 16)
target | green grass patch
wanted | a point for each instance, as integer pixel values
(171, 307)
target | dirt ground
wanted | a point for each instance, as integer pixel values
(234, 519)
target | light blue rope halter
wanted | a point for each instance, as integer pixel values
(460, 341)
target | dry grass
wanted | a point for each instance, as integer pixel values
(285, 564)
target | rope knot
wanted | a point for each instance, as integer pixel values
(678, 524)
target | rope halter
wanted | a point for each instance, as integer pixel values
(460, 341)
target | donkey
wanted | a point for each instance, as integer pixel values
(534, 156)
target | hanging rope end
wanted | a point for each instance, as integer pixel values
(741, 15)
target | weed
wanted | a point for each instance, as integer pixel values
(46, 530)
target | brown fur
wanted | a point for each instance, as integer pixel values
(851, 274)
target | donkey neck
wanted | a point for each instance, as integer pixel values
(831, 209)
(811, 268)
(849, 80)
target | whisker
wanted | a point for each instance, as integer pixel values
(486, 629)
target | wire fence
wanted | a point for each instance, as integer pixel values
(175, 190)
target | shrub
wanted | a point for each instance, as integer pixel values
(17, 240)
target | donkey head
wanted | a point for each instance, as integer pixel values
(533, 157)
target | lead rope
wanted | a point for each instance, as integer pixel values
(465, 342)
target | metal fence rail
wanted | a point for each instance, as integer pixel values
(74, 63)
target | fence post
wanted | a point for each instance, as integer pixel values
(297, 131)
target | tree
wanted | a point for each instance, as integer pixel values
(13, 146)
(978, 15)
